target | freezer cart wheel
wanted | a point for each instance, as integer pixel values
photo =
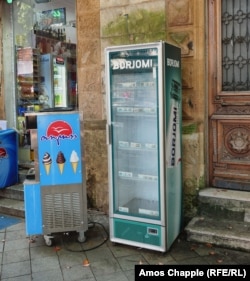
(81, 237)
(48, 240)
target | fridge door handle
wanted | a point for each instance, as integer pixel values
(108, 134)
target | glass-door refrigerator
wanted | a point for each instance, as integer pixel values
(143, 86)
(58, 82)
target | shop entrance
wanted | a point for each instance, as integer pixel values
(45, 54)
(44, 61)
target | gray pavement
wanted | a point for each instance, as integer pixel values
(97, 259)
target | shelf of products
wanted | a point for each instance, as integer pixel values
(55, 46)
(135, 147)
(38, 80)
(28, 77)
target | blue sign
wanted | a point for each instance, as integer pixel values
(59, 148)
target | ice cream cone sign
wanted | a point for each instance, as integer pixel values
(47, 168)
(60, 160)
(61, 167)
(47, 162)
(74, 159)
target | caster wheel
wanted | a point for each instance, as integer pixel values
(81, 237)
(48, 240)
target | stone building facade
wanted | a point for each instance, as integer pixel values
(102, 23)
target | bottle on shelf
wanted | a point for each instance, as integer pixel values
(64, 35)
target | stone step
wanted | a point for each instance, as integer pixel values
(223, 233)
(12, 200)
(13, 192)
(12, 207)
(224, 204)
(223, 219)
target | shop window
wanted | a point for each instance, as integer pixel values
(45, 59)
(235, 22)
(45, 46)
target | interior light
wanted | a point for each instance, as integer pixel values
(9, 1)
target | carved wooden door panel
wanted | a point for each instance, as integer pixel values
(229, 93)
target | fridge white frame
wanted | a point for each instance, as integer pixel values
(162, 222)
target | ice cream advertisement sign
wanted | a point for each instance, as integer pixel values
(59, 130)
(59, 149)
(60, 161)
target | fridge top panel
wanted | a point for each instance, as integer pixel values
(52, 109)
(137, 46)
(68, 110)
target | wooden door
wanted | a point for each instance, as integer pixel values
(229, 93)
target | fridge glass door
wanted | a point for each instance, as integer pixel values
(134, 127)
(60, 82)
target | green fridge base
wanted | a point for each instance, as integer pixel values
(137, 234)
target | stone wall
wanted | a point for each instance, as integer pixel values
(186, 28)
(91, 102)
(96, 164)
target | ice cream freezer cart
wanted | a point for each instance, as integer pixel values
(56, 200)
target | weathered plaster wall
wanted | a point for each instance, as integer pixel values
(132, 22)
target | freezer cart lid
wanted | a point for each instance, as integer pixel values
(56, 109)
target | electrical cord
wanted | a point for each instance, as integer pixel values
(89, 249)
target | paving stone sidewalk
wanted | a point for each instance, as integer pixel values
(97, 259)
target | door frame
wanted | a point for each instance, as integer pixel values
(212, 76)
